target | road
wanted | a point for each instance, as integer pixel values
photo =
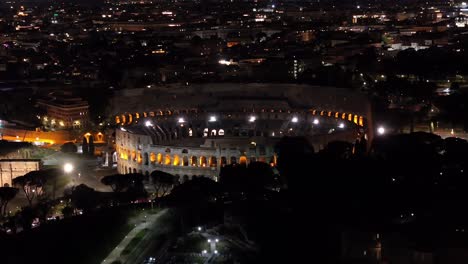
(151, 223)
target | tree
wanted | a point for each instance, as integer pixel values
(69, 147)
(163, 182)
(32, 184)
(91, 146)
(85, 146)
(26, 217)
(84, 197)
(67, 211)
(6, 195)
(115, 181)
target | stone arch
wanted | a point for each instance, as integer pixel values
(203, 161)
(125, 169)
(176, 160)
(193, 161)
(146, 174)
(213, 162)
(146, 158)
(233, 160)
(185, 161)
(134, 170)
(159, 158)
(253, 159)
(167, 159)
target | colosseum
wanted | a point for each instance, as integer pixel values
(196, 130)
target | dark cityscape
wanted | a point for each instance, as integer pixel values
(233, 131)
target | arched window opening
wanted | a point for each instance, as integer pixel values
(213, 162)
(185, 161)
(202, 161)
(167, 160)
(243, 160)
(221, 132)
(233, 160)
(193, 161)
(176, 161)
(223, 161)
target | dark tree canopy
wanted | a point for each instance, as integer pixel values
(6, 195)
(69, 147)
(162, 182)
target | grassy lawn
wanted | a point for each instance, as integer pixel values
(193, 243)
(134, 242)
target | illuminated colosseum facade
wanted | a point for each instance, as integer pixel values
(196, 130)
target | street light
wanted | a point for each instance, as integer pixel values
(148, 123)
(212, 119)
(316, 121)
(181, 120)
(341, 125)
(68, 167)
(381, 130)
(295, 119)
(252, 119)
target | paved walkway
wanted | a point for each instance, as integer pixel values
(116, 253)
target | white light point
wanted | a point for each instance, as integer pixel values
(68, 167)
(381, 130)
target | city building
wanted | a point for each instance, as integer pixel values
(63, 110)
